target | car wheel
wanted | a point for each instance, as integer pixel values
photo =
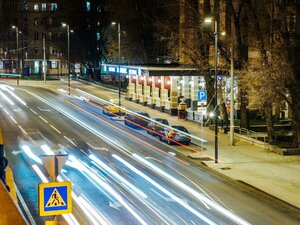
(148, 132)
(160, 138)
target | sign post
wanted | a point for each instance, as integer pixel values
(54, 197)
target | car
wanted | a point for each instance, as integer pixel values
(155, 128)
(133, 120)
(113, 109)
(172, 136)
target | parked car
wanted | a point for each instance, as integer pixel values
(112, 110)
(171, 136)
(154, 128)
(134, 120)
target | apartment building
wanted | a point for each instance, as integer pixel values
(32, 34)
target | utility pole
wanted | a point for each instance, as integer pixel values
(216, 90)
(44, 62)
(232, 96)
(119, 59)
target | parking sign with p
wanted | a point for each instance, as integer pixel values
(202, 95)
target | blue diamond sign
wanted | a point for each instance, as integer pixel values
(55, 198)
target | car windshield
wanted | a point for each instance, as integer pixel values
(144, 114)
(164, 121)
(181, 128)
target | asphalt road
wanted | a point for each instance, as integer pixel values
(120, 175)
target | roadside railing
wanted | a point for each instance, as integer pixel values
(251, 134)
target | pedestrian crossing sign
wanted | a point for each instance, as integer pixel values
(55, 198)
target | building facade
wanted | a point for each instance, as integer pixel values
(33, 33)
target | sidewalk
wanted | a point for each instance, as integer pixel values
(270, 172)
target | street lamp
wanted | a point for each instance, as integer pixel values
(69, 68)
(209, 21)
(119, 61)
(17, 37)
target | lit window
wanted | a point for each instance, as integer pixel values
(88, 6)
(36, 66)
(36, 7)
(98, 36)
(44, 6)
(53, 50)
(53, 6)
(53, 64)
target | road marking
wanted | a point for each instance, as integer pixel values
(22, 130)
(33, 111)
(15, 152)
(69, 140)
(97, 148)
(43, 119)
(17, 110)
(44, 110)
(54, 128)
(13, 119)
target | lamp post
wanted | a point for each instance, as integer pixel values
(209, 21)
(119, 61)
(17, 37)
(69, 68)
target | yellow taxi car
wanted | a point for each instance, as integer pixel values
(113, 109)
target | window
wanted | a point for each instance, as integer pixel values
(53, 64)
(54, 21)
(50, 22)
(54, 36)
(98, 36)
(44, 7)
(53, 50)
(36, 21)
(50, 36)
(36, 50)
(36, 36)
(88, 6)
(36, 66)
(36, 7)
(53, 6)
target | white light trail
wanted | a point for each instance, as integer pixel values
(102, 165)
(164, 190)
(107, 187)
(47, 150)
(92, 210)
(7, 98)
(30, 154)
(40, 173)
(15, 96)
(190, 190)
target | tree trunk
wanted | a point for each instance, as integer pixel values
(295, 93)
(270, 123)
(243, 109)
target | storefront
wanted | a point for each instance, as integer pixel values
(159, 87)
